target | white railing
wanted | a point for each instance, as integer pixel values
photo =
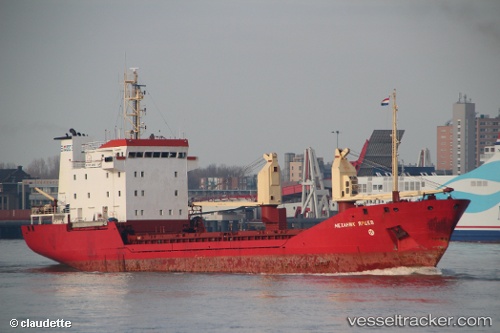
(92, 145)
(47, 218)
(84, 164)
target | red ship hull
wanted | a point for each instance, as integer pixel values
(411, 234)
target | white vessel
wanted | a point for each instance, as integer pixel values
(481, 220)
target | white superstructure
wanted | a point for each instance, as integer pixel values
(126, 179)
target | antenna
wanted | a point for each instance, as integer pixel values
(132, 112)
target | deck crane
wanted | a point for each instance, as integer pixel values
(53, 206)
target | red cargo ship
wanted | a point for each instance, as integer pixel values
(123, 206)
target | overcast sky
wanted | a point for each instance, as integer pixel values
(240, 78)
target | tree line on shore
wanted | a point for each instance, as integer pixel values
(42, 168)
(49, 169)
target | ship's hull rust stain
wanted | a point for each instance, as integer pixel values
(286, 264)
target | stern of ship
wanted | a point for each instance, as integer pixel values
(87, 248)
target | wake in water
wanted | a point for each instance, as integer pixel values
(399, 271)
(396, 271)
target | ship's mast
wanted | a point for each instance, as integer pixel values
(395, 187)
(132, 97)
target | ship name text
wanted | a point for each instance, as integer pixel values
(354, 224)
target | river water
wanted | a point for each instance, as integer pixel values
(463, 290)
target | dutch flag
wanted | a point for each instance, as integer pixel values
(385, 101)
